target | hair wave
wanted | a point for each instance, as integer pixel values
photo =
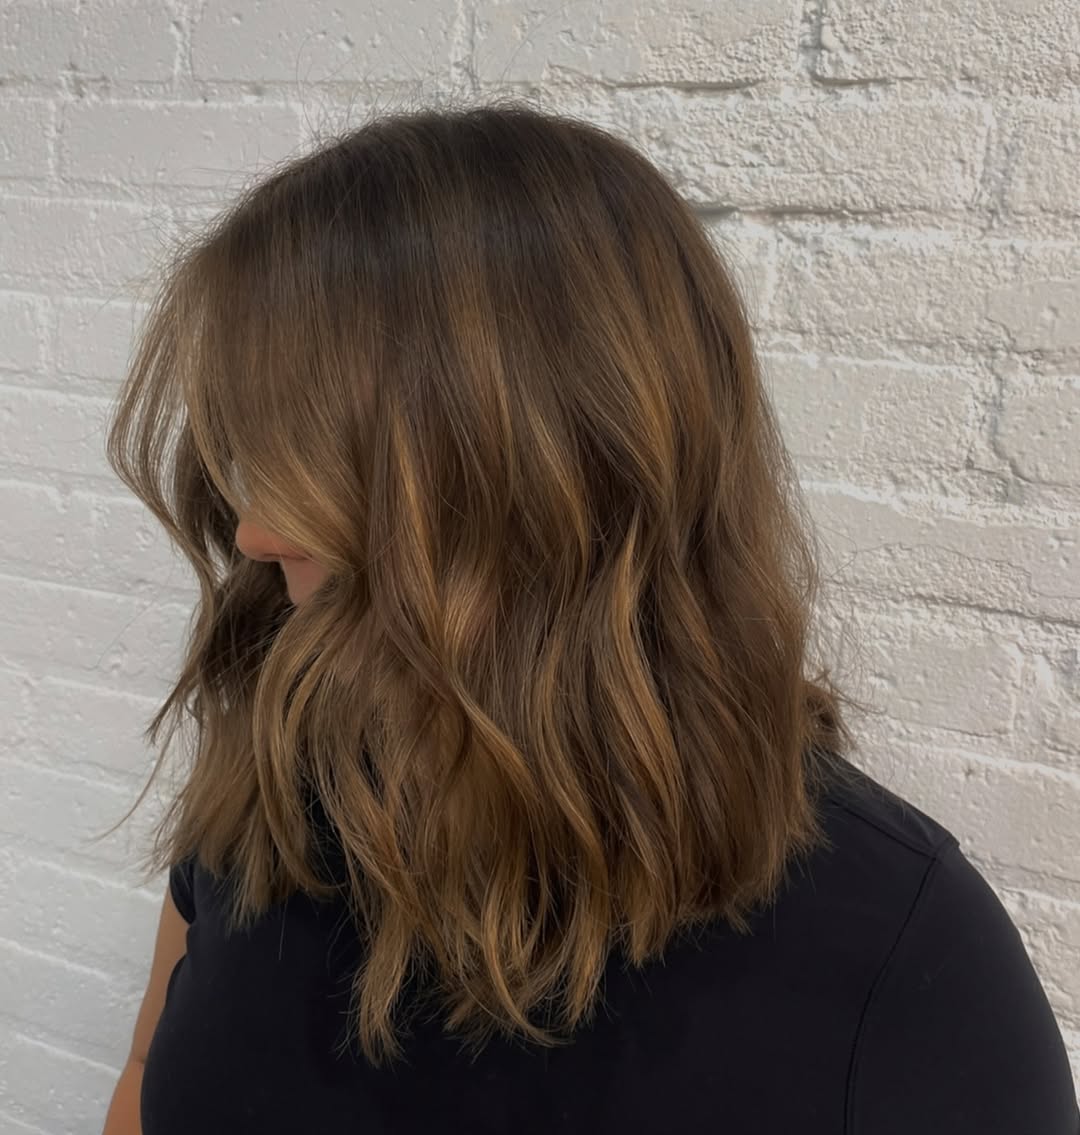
(486, 366)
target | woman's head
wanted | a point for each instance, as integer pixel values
(485, 371)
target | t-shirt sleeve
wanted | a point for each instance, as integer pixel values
(182, 887)
(958, 1036)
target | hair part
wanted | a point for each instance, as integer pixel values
(485, 365)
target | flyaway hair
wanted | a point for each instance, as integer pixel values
(486, 366)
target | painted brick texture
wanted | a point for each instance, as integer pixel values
(895, 187)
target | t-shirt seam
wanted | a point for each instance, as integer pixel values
(860, 1030)
(933, 851)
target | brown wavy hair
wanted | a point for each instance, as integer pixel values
(485, 365)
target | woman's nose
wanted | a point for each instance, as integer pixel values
(258, 544)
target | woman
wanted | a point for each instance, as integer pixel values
(513, 810)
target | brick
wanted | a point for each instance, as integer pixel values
(997, 44)
(266, 42)
(1051, 931)
(173, 143)
(25, 129)
(85, 728)
(93, 638)
(854, 418)
(761, 153)
(688, 41)
(76, 245)
(958, 681)
(73, 1003)
(748, 256)
(1038, 432)
(1040, 144)
(1059, 693)
(38, 514)
(43, 1071)
(1000, 812)
(129, 546)
(58, 815)
(76, 915)
(1015, 563)
(21, 332)
(1041, 310)
(16, 1126)
(131, 549)
(46, 429)
(103, 542)
(127, 40)
(94, 338)
(853, 293)
(15, 721)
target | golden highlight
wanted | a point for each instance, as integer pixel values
(484, 365)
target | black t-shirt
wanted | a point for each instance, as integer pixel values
(885, 992)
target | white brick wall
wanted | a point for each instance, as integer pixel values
(896, 185)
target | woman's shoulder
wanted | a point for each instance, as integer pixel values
(852, 798)
(182, 886)
(956, 1021)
